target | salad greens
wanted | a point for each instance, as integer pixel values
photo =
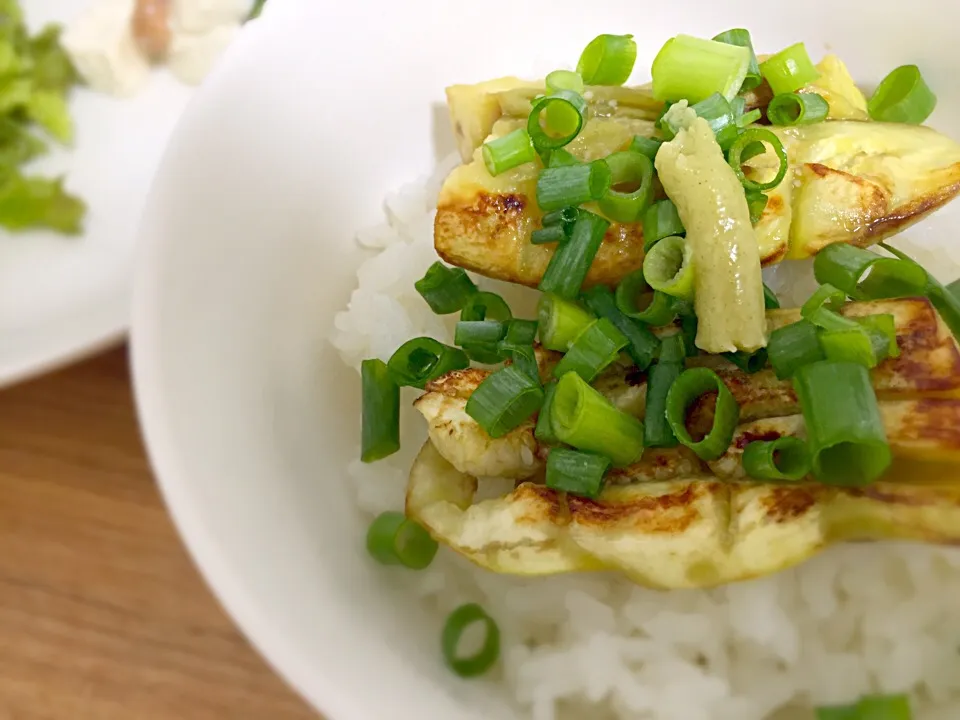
(36, 76)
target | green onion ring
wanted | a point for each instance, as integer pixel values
(751, 135)
(668, 267)
(395, 539)
(691, 385)
(786, 458)
(454, 628)
(573, 116)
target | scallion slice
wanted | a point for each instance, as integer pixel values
(608, 60)
(840, 712)
(598, 345)
(483, 305)
(793, 346)
(883, 332)
(453, 630)
(884, 707)
(641, 343)
(571, 260)
(564, 217)
(395, 539)
(380, 425)
(864, 275)
(523, 357)
(507, 152)
(560, 322)
(851, 344)
(688, 388)
(659, 221)
(786, 458)
(748, 362)
(422, 359)
(544, 431)
(631, 293)
(741, 37)
(735, 157)
(825, 296)
(797, 109)
(718, 113)
(577, 473)
(770, 299)
(662, 376)
(633, 172)
(756, 203)
(902, 96)
(504, 400)
(692, 69)
(560, 158)
(564, 80)
(521, 332)
(749, 118)
(668, 267)
(689, 325)
(548, 235)
(789, 70)
(646, 146)
(564, 113)
(559, 187)
(479, 332)
(848, 445)
(445, 289)
(585, 419)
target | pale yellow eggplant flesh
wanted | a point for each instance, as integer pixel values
(850, 181)
(687, 533)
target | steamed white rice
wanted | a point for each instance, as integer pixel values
(857, 619)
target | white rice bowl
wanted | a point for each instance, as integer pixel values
(857, 619)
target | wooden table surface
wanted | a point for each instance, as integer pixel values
(102, 614)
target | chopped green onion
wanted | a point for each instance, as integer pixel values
(641, 343)
(560, 322)
(561, 158)
(585, 419)
(521, 332)
(844, 427)
(453, 630)
(789, 70)
(565, 112)
(716, 111)
(688, 388)
(884, 707)
(954, 289)
(507, 152)
(786, 458)
(558, 187)
(748, 362)
(504, 400)
(668, 267)
(945, 302)
(395, 539)
(826, 296)
(747, 119)
(596, 347)
(478, 332)
(646, 146)
(548, 235)
(631, 292)
(380, 426)
(418, 361)
(688, 327)
(864, 275)
(564, 80)
(571, 261)
(902, 96)
(608, 60)
(756, 203)
(770, 299)
(564, 217)
(839, 712)
(735, 157)
(445, 289)
(576, 472)
(793, 346)
(741, 37)
(544, 431)
(481, 304)
(523, 357)
(633, 170)
(662, 376)
(797, 109)
(692, 69)
(883, 333)
(851, 344)
(659, 221)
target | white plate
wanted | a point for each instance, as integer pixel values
(315, 114)
(62, 297)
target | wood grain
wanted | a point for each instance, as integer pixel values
(102, 614)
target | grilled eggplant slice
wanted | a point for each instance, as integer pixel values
(686, 533)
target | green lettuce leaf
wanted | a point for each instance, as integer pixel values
(33, 202)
